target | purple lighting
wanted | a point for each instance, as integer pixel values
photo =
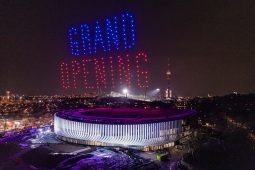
(125, 115)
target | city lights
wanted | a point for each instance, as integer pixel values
(127, 85)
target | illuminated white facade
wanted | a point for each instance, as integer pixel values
(145, 136)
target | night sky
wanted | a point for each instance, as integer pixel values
(211, 44)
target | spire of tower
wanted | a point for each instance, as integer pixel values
(168, 78)
(168, 72)
(168, 63)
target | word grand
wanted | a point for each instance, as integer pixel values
(113, 34)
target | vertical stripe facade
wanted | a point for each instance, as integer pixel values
(150, 134)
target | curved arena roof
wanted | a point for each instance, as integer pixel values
(124, 115)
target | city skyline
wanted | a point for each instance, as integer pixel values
(209, 44)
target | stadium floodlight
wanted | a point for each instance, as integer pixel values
(125, 91)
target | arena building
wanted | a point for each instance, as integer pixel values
(145, 129)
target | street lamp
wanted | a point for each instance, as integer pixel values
(125, 91)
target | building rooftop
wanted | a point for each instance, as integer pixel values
(124, 115)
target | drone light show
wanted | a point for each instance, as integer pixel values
(107, 73)
(112, 34)
(96, 64)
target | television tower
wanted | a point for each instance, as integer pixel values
(168, 78)
(8, 95)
